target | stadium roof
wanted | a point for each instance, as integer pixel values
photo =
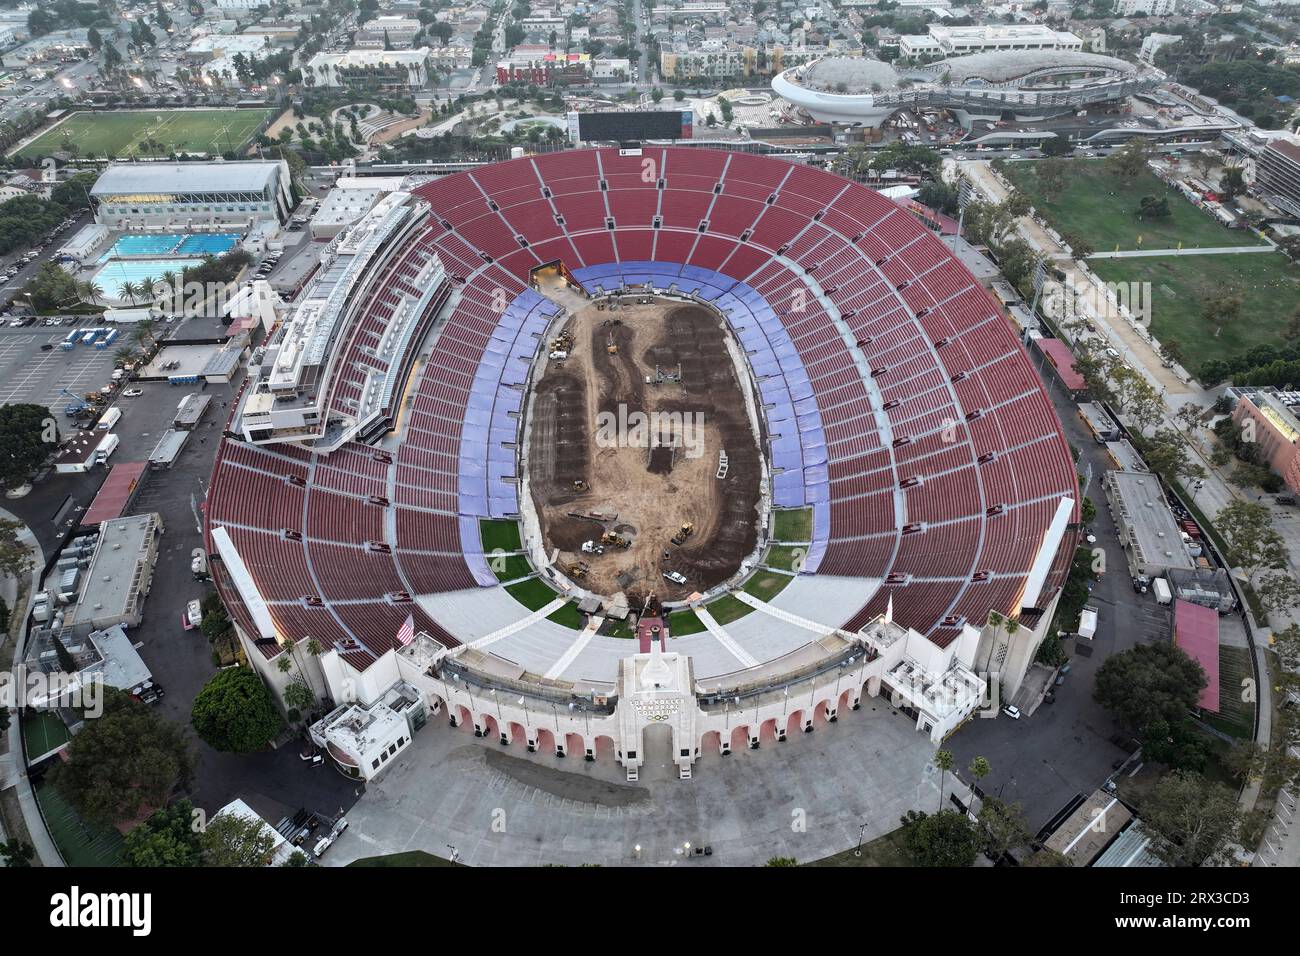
(857, 74)
(151, 178)
(1001, 66)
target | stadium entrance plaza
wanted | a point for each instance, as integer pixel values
(502, 806)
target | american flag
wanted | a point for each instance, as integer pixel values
(407, 633)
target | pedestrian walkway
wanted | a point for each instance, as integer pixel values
(1211, 251)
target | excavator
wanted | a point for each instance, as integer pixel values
(686, 531)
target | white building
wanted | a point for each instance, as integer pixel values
(362, 739)
(153, 196)
(1152, 8)
(1152, 43)
(240, 4)
(371, 69)
(656, 699)
(399, 32)
(955, 41)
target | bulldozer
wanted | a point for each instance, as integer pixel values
(580, 485)
(615, 540)
(577, 571)
(686, 531)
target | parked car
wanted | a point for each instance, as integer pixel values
(133, 393)
(193, 615)
(1012, 711)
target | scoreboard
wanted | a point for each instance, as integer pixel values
(622, 125)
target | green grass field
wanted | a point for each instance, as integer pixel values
(686, 622)
(887, 850)
(1102, 208)
(79, 844)
(1268, 283)
(784, 557)
(1236, 717)
(794, 524)
(766, 585)
(569, 616)
(728, 608)
(499, 535)
(510, 567)
(119, 133)
(43, 732)
(532, 594)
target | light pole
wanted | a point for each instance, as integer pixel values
(862, 829)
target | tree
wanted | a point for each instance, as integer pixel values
(1153, 207)
(1220, 307)
(24, 441)
(1277, 591)
(1004, 827)
(1177, 745)
(1194, 819)
(1080, 247)
(656, 94)
(234, 712)
(1130, 160)
(1166, 455)
(1050, 174)
(1147, 683)
(17, 853)
(1253, 543)
(168, 838)
(233, 840)
(943, 759)
(947, 838)
(980, 768)
(1232, 184)
(127, 761)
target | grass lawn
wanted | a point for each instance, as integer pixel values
(794, 524)
(183, 131)
(728, 608)
(499, 535)
(80, 844)
(766, 585)
(883, 851)
(1269, 284)
(409, 858)
(510, 567)
(1236, 717)
(569, 616)
(784, 556)
(685, 622)
(532, 594)
(624, 629)
(1102, 208)
(43, 732)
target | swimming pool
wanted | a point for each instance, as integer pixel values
(171, 243)
(113, 275)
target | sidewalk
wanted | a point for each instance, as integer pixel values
(12, 771)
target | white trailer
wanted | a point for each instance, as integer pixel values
(1088, 622)
(1161, 588)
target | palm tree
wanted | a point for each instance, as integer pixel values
(142, 334)
(124, 355)
(146, 288)
(943, 760)
(980, 768)
(129, 290)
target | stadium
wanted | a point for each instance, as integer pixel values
(1002, 84)
(417, 486)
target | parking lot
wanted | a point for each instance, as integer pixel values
(28, 374)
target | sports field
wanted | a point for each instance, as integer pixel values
(1102, 208)
(1268, 283)
(120, 133)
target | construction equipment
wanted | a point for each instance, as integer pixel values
(686, 531)
(580, 485)
(610, 346)
(577, 571)
(615, 540)
(665, 376)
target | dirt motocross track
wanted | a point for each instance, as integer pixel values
(645, 479)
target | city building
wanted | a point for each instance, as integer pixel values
(371, 69)
(106, 657)
(1271, 416)
(1147, 529)
(362, 738)
(1152, 43)
(154, 196)
(1277, 175)
(943, 41)
(387, 33)
(119, 574)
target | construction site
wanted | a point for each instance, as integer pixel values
(643, 464)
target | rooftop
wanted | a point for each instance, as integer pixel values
(1153, 532)
(154, 178)
(112, 580)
